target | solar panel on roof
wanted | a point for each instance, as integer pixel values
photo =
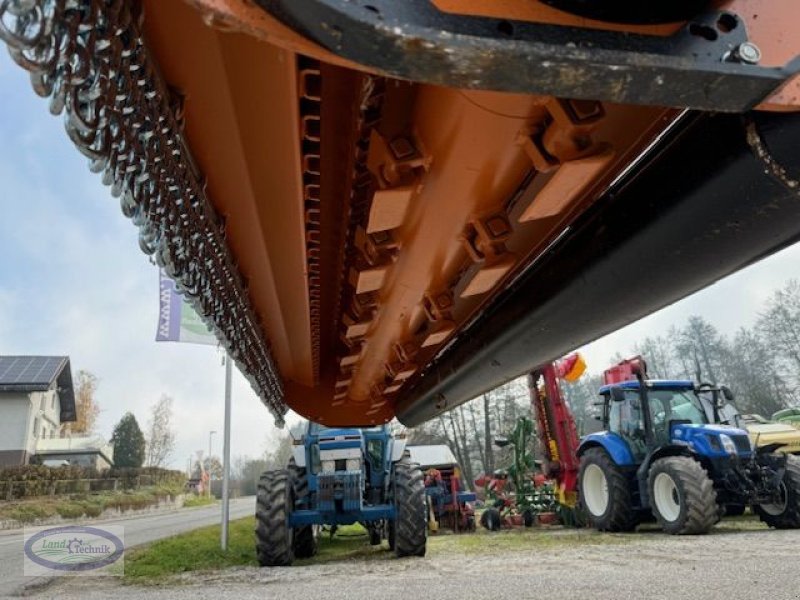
(33, 370)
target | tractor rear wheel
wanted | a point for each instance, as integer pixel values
(306, 538)
(306, 541)
(682, 496)
(391, 530)
(411, 525)
(274, 504)
(604, 492)
(785, 513)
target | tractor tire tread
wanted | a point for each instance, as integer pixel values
(699, 496)
(274, 537)
(790, 519)
(411, 526)
(621, 517)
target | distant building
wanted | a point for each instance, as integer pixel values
(36, 397)
(82, 451)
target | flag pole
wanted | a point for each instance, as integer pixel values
(226, 451)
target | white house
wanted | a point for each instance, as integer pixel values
(36, 396)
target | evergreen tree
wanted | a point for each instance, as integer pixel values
(129, 444)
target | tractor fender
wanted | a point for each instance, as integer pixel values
(299, 455)
(398, 448)
(614, 445)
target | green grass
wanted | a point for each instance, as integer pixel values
(76, 506)
(193, 500)
(193, 551)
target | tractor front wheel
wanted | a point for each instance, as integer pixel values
(604, 493)
(274, 503)
(682, 496)
(411, 525)
(784, 513)
(306, 537)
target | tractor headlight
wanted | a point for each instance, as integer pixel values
(353, 464)
(727, 443)
(328, 466)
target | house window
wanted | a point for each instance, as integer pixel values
(41, 404)
(44, 432)
(53, 402)
(35, 426)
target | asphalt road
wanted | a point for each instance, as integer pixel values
(138, 530)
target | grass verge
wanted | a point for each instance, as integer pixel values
(199, 550)
(75, 506)
(192, 501)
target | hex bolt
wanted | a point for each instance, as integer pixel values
(748, 53)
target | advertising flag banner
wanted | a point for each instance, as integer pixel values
(177, 320)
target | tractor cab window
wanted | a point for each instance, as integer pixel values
(674, 405)
(625, 419)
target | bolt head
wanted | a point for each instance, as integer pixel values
(749, 53)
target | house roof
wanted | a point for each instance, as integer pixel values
(37, 374)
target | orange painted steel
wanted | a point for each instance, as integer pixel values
(373, 218)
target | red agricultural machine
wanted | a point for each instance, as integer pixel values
(519, 496)
(449, 504)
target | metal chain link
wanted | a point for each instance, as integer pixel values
(89, 58)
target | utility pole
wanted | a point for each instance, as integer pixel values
(226, 457)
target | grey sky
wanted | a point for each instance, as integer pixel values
(73, 281)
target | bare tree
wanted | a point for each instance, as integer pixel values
(278, 452)
(780, 329)
(86, 407)
(160, 434)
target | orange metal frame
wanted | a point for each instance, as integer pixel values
(373, 218)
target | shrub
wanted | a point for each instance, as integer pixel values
(70, 510)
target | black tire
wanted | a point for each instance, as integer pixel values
(682, 496)
(789, 516)
(374, 536)
(528, 517)
(734, 510)
(306, 538)
(391, 531)
(274, 504)
(300, 479)
(491, 519)
(618, 514)
(306, 541)
(411, 526)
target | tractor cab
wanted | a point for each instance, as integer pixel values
(650, 415)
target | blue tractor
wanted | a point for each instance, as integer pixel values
(668, 452)
(340, 476)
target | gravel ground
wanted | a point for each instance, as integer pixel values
(727, 564)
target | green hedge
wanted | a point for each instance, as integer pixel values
(37, 480)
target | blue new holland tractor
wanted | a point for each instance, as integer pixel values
(668, 451)
(338, 477)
